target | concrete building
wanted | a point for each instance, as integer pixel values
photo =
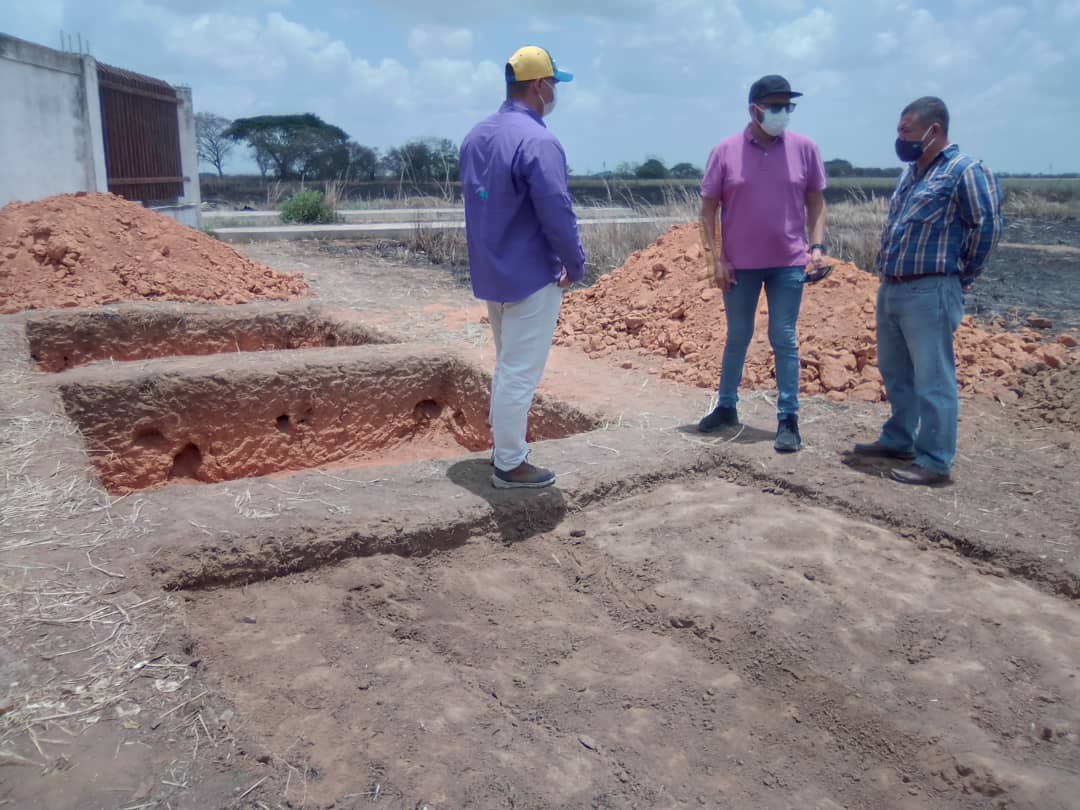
(66, 123)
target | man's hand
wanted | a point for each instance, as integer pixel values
(817, 259)
(564, 280)
(723, 274)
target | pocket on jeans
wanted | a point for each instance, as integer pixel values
(952, 302)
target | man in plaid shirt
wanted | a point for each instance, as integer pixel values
(944, 219)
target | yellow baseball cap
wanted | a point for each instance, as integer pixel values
(530, 63)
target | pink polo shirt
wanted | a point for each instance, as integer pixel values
(762, 193)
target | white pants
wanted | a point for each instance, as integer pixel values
(523, 332)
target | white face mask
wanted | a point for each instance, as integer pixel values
(549, 106)
(774, 123)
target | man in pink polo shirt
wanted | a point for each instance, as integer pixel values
(767, 184)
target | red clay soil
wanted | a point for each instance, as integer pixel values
(662, 302)
(88, 249)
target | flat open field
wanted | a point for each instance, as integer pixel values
(250, 558)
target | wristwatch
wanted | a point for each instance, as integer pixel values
(818, 246)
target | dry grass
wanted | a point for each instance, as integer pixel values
(86, 641)
(332, 194)
(607, 247)
(1028, 204)
(444, 246)
(400, 201)
(854, 232)
(275, 193)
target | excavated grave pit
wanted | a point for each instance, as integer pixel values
(63, 340)
(221, 418)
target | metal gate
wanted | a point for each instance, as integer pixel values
(139, 119)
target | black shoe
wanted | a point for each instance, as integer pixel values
(920, 476)
(788, 439)
(877, 450)
(720, 418)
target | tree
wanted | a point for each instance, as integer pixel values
(423, 160)
(263, 161)
(211, 143)
(626, 169)
(294, 145)
(363, 161)
(839, 168)
(651, 169)
(685, 171)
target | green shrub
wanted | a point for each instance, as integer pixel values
(307, 208)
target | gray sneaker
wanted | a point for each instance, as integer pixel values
(524, 475)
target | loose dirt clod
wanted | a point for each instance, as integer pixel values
(1053, 396)
(87, 249)
(661, 302)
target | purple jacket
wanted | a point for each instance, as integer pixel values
(519, 221)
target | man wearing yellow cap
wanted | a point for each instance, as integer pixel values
(524, 248)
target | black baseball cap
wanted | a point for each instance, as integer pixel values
(771, 85)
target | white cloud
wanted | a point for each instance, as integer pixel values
(236, 45)
(1068, 10)
(998, 22)
(542, 25)
(388, 70)
(438, 41)
(389, 79)
(886, 43)
(243, 44)
(783, 5)
(805, 39)
(581, 100)
(485, 11)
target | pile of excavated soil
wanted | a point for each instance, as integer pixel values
(1053, 396)
(89, 249)
(662, 302)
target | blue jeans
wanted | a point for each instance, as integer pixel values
(915, 325)
(783, 291)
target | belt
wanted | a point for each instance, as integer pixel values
(905, 279)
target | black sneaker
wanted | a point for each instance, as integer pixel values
(720, 418)
(788, 439)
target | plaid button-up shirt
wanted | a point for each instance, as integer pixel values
(947, 221)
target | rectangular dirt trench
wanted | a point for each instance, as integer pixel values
(64, 340)
(371, 405)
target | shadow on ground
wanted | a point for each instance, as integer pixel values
(518, 513)
(743, 434)
(871, 466)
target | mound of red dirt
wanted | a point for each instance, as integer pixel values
(661, 302)
(88, 249)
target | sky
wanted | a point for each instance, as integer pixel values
(653, 79)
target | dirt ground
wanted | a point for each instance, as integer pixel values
(685, 621)
(1033, 271)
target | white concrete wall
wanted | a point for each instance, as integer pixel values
(191, 202)
(50, 123)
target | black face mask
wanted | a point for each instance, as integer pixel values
(911, 151)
